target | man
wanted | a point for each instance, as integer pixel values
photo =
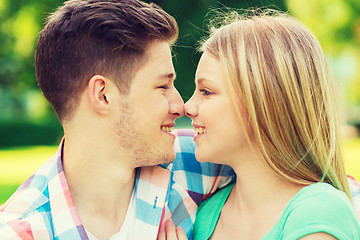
(106, 68)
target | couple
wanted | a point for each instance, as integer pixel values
(263, 104)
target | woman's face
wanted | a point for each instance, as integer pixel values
(219, 136)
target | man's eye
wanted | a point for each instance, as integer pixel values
(205, 92)
(164, 87)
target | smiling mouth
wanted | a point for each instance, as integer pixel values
(166, 128)
(200, 130)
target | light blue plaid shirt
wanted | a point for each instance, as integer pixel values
(42, 207)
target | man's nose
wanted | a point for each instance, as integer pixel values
(176, 104)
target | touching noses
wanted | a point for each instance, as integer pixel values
(176, 104)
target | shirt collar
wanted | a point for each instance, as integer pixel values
(64, 215)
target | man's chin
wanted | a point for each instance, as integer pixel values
(168, 158)
(155, 161)
(171, 158)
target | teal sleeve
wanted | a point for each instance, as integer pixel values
(329, 211)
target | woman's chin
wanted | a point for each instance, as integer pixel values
(200, 157)
(204, 157)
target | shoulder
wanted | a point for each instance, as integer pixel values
(32, 193)
(208, 213)
(320, 208)
(26, 215)
(32, 226)
(318, 236)
(320, 196)
(215, 201)
(28, 208)
(354, 187)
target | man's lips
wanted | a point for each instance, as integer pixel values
(167, 127)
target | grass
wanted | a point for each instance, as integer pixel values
(18, 163)
(351, 154)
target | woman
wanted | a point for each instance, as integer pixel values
(264, 104)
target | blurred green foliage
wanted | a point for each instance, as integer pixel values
(26, 133)
(20, 22)
(336, 24)
(20, 101)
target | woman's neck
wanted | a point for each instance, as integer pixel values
(258, 198)
(258, 187)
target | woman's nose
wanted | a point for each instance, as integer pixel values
(190, 108)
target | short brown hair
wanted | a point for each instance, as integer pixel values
(87, 37)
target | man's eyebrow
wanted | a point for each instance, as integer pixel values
(170, 76)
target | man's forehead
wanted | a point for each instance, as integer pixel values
(157, 47)
(158, 63)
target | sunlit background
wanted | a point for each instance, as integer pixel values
(30, 132)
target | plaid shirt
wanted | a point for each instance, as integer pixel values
(42, 207)
(354, 186)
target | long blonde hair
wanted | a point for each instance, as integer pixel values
(277, 71)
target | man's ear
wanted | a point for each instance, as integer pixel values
(98, 92)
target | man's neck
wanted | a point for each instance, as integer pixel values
(100, 186)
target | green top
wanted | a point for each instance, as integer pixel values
(318, 207)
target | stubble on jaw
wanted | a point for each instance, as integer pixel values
(141, 144)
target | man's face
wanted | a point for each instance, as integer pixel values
(148, 112)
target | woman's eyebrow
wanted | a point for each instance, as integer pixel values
(203, 80)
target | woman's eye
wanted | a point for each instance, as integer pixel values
(205, 92)
(164, 87)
